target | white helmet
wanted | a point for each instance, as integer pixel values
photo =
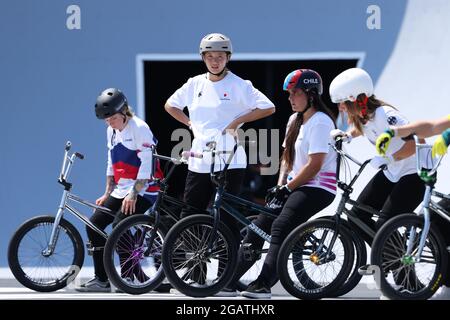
(216, 42)
(349, 84)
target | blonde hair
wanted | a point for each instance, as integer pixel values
(128, 111)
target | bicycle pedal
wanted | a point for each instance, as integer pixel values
(366, 270)
(249, 253)
(90, 249)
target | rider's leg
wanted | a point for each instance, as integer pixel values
(244, 264)
(198, 192)
(129, 263)
(301, 205)
(374, 195)
(101, 220)
(404, 197)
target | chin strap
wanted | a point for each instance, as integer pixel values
(218, 74)
(301, 113)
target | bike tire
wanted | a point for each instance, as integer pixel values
(124, 239)
(382, 250)
(360, 259)
(177, 255)
(53, 282)
(292, 249)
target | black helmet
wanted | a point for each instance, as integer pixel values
(306, 79)
(110, 102)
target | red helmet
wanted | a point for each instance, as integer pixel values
(306, 79)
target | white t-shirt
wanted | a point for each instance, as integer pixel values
(130, 158)
(386, 116)
(212, 107)
(314, 137)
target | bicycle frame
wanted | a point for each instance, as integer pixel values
(67, 196)
(226, 201)
(163, 200)
(348, 190)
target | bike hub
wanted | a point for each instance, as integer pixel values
(408, 260)
(314, 258)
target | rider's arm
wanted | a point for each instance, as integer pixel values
(407, 150)
(110, 185)
(423, 129)
(354, 132)
(177, 114)
(138, 185)
(144, 142)
(309, 170)
(253, 115)
(283, 174)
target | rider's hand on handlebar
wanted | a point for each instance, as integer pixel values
(279, 196)
(339, 133)
(100, 201)
(441, 144)
(271, 193)
(383, 141)
(378, 161)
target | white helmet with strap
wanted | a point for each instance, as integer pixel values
(349, 84)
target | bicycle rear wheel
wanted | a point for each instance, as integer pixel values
(132, 255)
(306, 269)
(41, 271)
(404, 276)
(188, 264)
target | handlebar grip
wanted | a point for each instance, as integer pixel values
(79, 155)
(68, 145)
(188, 154)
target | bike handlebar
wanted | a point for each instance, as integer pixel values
(211, 147)
(425, 173)
(68, 162)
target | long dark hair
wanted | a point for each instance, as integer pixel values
(315, 101)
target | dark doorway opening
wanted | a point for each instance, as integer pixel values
(162, 78)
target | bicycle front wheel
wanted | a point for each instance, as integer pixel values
(315, 259)
(37, 269)
(190, 264)
(360, 259)
(408, 276)
(132, 255)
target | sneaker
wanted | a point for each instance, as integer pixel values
(94, 285)
(163, 288)
(174, 291)
(257, 290)
(226, 292)
(443, 293)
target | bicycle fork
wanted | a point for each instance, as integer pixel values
(55, 230)
(426, 228)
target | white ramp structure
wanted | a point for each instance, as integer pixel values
(416, 78)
